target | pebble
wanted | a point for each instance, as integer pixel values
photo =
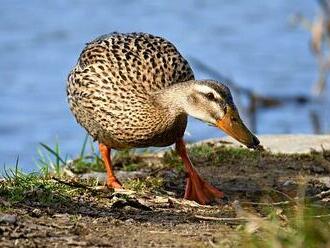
(288, 183)
(129, 221)
(8, 219)
(36, 212)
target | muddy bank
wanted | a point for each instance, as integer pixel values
(78, 211)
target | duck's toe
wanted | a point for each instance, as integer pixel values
(201, 191)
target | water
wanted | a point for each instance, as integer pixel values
(249, 41)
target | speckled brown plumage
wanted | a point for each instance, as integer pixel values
(111, 90)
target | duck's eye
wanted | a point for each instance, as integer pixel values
(210, 96)
(225, 109)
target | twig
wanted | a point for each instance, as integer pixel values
(286, 195)
(184, 202)
(212, 243)
(72, 184)
(268, 204)
(321, 195)
(224, 219)
(320, 216)
(56, 225)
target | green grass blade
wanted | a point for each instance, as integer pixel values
(83, 148)
(57, 156)
(16, 166)
(6, 175)
(57, 162)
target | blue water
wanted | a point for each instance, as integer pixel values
(249, 41)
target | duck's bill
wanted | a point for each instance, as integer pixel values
(232, 124)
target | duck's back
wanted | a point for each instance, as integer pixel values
(139, 59)
(115, 74)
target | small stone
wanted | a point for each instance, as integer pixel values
(116, 222)
(317, 169)
(36, 212)
(4, 202)
(326, 181)
(8, 219)
(129, 221)
(288, 183)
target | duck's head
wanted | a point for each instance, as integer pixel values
(212, 102)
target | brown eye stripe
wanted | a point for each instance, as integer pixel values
(210, 96)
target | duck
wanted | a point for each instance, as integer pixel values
(133, 90)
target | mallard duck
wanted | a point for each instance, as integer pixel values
(136, 90)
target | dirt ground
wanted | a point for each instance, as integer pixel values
(251, 181)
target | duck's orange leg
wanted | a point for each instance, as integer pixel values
(112, 181)
(196, 188)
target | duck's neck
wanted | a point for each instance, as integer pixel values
(174, 98)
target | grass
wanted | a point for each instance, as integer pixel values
(51, 161)
(33, 187)
(148, 184)
(19, 187)
(41, 187)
